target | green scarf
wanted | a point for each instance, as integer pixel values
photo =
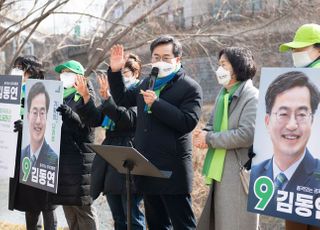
(214, 161)
(67, 92)
(315, 64)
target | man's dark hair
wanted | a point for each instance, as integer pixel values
(36, 89)
(241, 60)
(167, 39)
(31, 65)
(288, 81)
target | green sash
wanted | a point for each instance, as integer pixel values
(214, 161)
(315, 64)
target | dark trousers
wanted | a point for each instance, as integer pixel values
(118, 207)
(165, 212)
(33, 220)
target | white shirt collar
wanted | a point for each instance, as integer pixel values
(290, 171)
(37, 152)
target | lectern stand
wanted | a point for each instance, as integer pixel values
(129, 161)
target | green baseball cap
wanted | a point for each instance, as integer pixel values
(72, 65)
(306, 35)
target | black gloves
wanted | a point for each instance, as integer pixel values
(65, 111)
(17, 126)
(68, 115)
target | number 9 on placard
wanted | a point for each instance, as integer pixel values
(263, 189)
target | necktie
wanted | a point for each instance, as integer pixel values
(280, 181)
(33, 160)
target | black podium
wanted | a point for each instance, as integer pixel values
(127, 160)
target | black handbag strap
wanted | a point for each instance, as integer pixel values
(251, 155)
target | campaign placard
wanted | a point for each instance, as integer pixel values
(285, 174)
(10, 91)
(41, 135)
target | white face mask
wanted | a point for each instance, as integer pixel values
(301, 59)
(68, 79)
(223, 76)
(128, 81)
(16, 71)
(165, 68)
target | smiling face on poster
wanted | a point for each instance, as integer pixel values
(285, 175)
(41, 135)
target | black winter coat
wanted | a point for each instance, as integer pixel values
(75, 161)
(164, 136)
(105, 178)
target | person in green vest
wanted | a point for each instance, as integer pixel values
(305, 46)
(305, 49)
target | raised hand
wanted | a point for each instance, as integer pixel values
(117, 58)
(81, 86)
(104, 86)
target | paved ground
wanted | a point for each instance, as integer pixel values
(16, 217)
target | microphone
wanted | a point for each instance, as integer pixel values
(153, 77)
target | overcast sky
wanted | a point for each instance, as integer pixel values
(61, 23)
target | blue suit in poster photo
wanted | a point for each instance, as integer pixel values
(47, 157)
(288, 184)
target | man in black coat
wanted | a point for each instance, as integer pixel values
(166, 116)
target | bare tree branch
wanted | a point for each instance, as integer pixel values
(207, 54)
(22, 45)
(100, 56)
(105, 16)
(41, 17)
(31, 12)
(112, 28)
(91, 16)
(1, 3)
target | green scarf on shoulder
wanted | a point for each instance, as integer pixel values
(67, 92)
(214, 161)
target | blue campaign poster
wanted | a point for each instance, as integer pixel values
(285, 174)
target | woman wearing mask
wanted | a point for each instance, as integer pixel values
(119, 123)
(305, 49)
(228, 135)
(75, 161)
(24, 198)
